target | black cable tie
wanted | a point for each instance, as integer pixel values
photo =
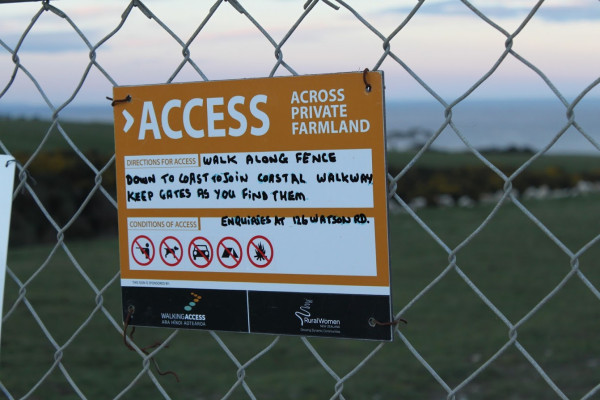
(373, 322)
(118, 101)
(367, 84)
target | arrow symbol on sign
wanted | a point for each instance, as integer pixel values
(128, 121)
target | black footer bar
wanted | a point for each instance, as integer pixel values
(287, 313)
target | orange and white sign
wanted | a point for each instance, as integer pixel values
(259, 184)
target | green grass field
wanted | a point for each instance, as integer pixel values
(507, 162)
(21, 135)
(511, 261)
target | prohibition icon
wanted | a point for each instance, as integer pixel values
(170, 251)
(229, 252)
(142, 250)
(260, 251)
(200, 252)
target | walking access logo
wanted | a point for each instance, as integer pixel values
(313, 324)
(185, 319)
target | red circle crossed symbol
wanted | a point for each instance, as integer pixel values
(200, 252)
(229, 252)
(260, 251)
(142, 250)
(170, 251)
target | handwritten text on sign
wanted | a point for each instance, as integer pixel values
(298, 179)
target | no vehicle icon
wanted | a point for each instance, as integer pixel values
(260, 251)
(200, 252)
(229, 252)
(142, 250)
(170, 251)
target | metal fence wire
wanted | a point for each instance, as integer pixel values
(59, 342)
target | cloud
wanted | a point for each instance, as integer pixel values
(48, 42)
(558, 12)
(563, 12)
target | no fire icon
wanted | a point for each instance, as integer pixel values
(260, 251)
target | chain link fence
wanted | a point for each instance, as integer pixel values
(482, 322)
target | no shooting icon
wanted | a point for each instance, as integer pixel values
(142, 250)
(170, 251)
(229, 252)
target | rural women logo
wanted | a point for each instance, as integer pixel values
(304, 311)
(309, 323)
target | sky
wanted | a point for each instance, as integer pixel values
(447, 45)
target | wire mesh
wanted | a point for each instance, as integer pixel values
(240, 367)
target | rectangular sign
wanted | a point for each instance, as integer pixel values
(255, 205)
(7, 177)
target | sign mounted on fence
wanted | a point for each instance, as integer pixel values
(7, 178)
(265, 200)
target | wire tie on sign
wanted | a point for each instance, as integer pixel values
(158, 369)
(23, 171)
(130, 311)
(118, 101)
(373, 322)
(367, 84)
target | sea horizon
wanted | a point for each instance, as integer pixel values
(500, 124)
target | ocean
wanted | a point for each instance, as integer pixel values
(485, 124)
(500, 124)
